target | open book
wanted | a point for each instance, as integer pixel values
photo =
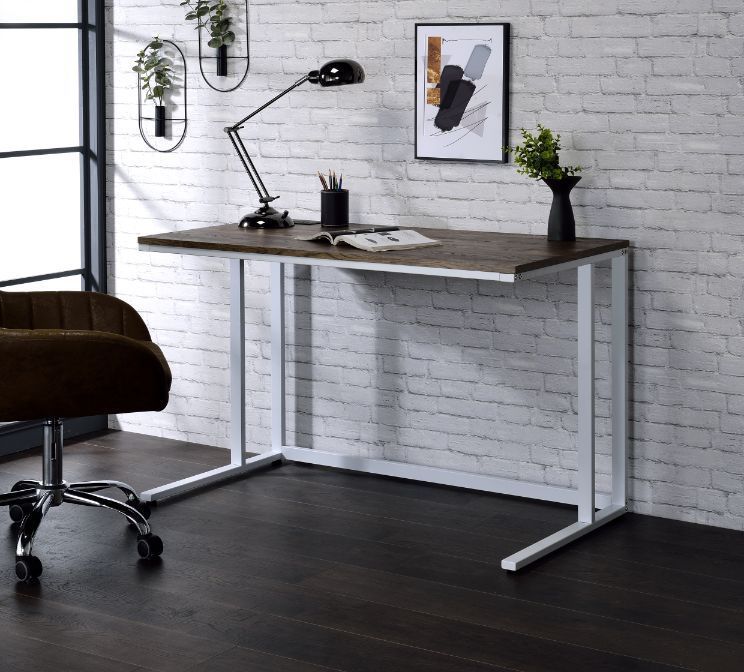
(375, 239)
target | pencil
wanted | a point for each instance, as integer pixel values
(323, 181)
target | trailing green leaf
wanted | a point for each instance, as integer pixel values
(151, 65)
(537, 156)
(211, 15)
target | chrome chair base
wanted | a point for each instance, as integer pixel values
(30, 501)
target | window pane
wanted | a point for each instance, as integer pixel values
(71, 283)
(41, 72)
(39, 215)
(39, 11)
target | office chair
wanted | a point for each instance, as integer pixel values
(74, 354)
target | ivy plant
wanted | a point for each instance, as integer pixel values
(154, 70)
(210, 14)
(537, 156)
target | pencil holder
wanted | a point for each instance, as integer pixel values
(334, 208)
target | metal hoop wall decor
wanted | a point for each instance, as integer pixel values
(184, 119)
(246, 57)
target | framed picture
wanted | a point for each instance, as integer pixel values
(462, 91)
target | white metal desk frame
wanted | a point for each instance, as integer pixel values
(584, 496)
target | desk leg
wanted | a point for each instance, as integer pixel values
(277, 356)
(237, 362)
(585, 444)
(240, 461)
(588, 518)
(619, 378)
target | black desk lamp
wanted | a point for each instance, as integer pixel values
(333, 73)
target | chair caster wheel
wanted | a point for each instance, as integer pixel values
(28, 567)
(149, 545)
(18, 511)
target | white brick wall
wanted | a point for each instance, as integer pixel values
(647, 95)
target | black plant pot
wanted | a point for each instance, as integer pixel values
(561, 223)
(160, 121)
(222, 61)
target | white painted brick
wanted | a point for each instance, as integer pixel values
(461, 374)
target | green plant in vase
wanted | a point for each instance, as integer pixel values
(156, 76)
(537, 157)
(211, 14)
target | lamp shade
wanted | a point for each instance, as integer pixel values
(338, 73)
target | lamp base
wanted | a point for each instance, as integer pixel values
(267, 217)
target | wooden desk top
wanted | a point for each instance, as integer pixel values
(505, 253)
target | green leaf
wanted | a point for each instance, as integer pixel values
(202, 11)
(190, 16)
(158, 91)
(215, 42)
(228, 37)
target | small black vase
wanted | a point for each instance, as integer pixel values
(160, 121)
(561, 223)
(222, 61)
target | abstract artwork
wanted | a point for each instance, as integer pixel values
(462, 91)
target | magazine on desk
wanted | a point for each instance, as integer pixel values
(375, 238)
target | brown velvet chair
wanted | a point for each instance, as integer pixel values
(74, 354)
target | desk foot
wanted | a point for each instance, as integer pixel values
(229, 471)
(561, 538)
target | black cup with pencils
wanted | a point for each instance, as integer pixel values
(334, 201)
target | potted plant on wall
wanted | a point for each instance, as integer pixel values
(155, 74)
(211, 14)
(537, 157)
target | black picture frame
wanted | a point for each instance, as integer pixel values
(501, 156)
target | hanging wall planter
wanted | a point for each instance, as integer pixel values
(155, 79)
(213, 17)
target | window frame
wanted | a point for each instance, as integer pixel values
(92, 150)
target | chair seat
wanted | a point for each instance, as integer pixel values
(73, 354)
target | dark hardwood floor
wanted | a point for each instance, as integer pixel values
(303, 569)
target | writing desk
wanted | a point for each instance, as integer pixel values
(500, 257)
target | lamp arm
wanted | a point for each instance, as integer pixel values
(299, 82)
(250, 168)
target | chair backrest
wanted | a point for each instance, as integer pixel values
(79, 311)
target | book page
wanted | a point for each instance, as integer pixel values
(405, 239)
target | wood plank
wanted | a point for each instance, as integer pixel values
(414, 494)
(304, 569)
(284, 619)
(228, 558)
(657, 598)
(239, 658)
(489, 252)
(680, 550)
(186, 604)
(107, 636)
(29, 654)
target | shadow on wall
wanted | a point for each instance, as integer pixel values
(302, 319)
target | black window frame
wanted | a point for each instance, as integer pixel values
(92, 149)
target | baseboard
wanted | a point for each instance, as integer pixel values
(20, 436)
